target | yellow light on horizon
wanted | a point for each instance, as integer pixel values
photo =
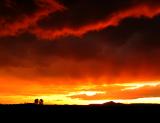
(90, 93)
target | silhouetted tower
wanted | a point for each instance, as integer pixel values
(41, 102)
(36, 101)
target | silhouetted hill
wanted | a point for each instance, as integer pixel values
(111, 103)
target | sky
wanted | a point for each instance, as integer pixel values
(80, 51)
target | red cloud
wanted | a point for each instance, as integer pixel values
(29, 23)
(136, 12)
(46, 7)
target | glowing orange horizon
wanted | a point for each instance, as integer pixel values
(137, 92)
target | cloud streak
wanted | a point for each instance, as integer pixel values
(121, 94)
(113, 20)
(29, 21)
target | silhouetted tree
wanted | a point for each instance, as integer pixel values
(41, 102)
(36, 101)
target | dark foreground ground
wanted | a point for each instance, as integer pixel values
(81, 114)
(80, 109)
(78, 113)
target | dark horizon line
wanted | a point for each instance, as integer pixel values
(107, 103)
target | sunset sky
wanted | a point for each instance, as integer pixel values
(80, 51)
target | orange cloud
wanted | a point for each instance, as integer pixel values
(147, 91)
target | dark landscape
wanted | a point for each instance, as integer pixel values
(116, 109)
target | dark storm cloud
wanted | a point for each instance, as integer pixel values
(121, 41)
(131, 48)
(79, 17)
(13, 9)
(82, 17)
(80, 12)
(21, 18)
